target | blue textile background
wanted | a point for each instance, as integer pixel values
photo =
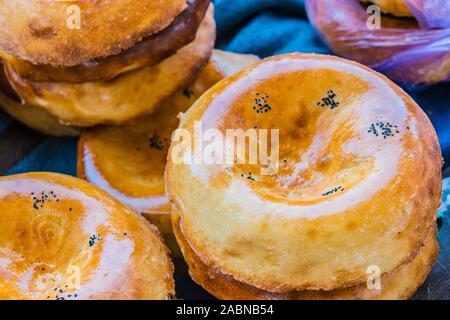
(262, 27)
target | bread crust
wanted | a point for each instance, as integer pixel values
(107, 251)
(125, 98)
(38, 32)
(399, 284)
(150, 51)
(285, 232)
(398, 8)
(129, 161)
(34, 117)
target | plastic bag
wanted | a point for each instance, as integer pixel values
(401, 49)
(431, 13)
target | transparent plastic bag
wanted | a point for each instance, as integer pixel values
(431, 13)
(401, 49)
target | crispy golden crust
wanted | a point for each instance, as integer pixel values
(38, 31)
(34, 117)
(401, 283)
(397, 8)
(323, 218)
(149, 51)
(129, 161)
(133, 94)
(63, 238)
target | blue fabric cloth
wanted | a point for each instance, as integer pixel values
(445, 206)
(262, 27)
(53, 155)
